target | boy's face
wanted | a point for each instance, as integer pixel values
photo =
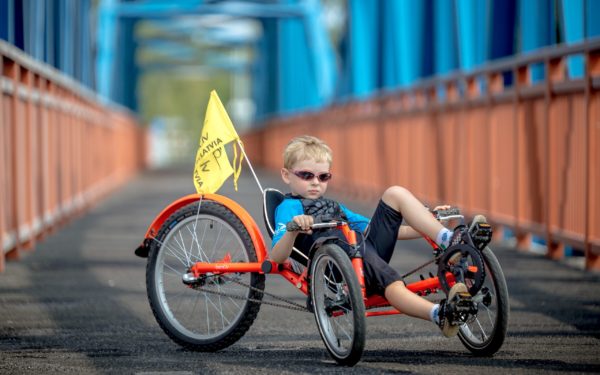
(312, 188)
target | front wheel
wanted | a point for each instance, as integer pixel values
(485, 333)
(338, 304)
(220, 310)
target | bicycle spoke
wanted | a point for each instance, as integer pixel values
(182, 247)
(195, 239)
(172, 251)
(337, 323)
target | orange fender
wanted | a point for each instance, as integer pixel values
(239, 211)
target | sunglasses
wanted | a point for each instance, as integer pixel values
(308, 176)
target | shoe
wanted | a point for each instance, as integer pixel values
(456, 238)
(448, 308)
(457, 235)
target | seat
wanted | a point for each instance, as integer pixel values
(271, 199)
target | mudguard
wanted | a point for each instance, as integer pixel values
(239, 211)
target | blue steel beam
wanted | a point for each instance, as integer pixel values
(536, 21)
(265, 82)
(176, 50)
(410, 44)
(445, 45)
(321, 54)
(363, 51)
(167, 9)
(213, 66)
(66, 38)
(222, 35)
(473, 26)
(573, 21)
(106, 41)
(296, 85)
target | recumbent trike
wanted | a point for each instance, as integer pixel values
(207, 262)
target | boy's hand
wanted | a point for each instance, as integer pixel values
(304, 222)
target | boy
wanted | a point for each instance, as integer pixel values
(307, 162)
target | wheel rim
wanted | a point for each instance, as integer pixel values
(480, 329)
(333, 306)
(199, 314)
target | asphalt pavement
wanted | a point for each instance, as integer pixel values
(77, 304)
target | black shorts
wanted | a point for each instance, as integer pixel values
(378, 249)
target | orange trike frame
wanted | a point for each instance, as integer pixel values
(265, 266)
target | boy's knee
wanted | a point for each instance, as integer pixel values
(398, 284)
(395, 194)
(396, 288)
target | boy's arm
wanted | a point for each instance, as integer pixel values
(283, 248)
(283, 241)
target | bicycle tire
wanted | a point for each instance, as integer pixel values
(200, 320)
(485, 335)
(337, 299)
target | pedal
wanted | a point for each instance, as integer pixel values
(481, 233)
(463, 308)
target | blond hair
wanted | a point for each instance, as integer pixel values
(306, 147)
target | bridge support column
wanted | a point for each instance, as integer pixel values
(592, 259)
(556, 250)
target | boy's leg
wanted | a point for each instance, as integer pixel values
(383, 231)
(407, 302)
(413, 211)
(410, 304)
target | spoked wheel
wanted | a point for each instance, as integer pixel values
(211, 317)
(484, 334)
(338, 304)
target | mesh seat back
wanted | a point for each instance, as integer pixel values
(271, 199)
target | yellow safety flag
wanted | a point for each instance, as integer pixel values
(212, 163)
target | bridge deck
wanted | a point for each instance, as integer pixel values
(79, 305)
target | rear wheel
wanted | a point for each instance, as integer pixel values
(338, 304)
(484, 334)
(220, 314)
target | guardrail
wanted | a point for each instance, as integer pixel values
(60, 150)
(493, 141)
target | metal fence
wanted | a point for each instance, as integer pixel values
(60, 150)
(516, 140)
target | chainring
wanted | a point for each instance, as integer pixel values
(466, 264)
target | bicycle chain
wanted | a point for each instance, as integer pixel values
(290, 304)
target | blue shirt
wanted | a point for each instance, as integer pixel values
(290, 207)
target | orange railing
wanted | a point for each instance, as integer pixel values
(523, 153)
(60, 150)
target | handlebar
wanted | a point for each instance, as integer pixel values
(293, 227)
(448, 214)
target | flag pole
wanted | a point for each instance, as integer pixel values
(250, 165)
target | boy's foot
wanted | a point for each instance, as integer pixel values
(457, 297)
(457, 235)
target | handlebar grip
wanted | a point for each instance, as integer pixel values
(449, 212)
(292, 227)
